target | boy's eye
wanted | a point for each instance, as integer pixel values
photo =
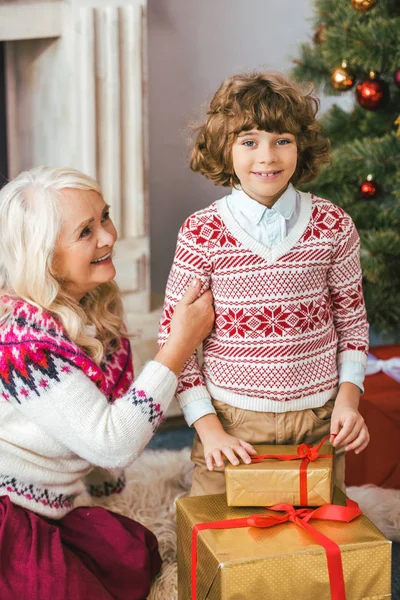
(85, 232)
(249, 143)
(283, 142)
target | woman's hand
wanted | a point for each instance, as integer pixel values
(192, 321)
(193, 318)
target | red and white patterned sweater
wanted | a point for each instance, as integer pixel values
(285, 316)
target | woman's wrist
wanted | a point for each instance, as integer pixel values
(172, 357)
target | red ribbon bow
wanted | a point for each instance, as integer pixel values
(301, 518)
(307, 454)
(306, 451)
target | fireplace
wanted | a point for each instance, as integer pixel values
(72, 93)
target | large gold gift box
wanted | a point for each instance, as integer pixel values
(282, 562)
(273, 481)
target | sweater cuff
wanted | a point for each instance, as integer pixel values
(199, 392)
(356, 356)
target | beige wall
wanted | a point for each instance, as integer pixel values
(193, 45)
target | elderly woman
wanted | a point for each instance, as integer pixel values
(69, 399)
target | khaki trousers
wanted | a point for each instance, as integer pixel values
(294, 427)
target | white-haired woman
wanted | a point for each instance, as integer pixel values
(69, 401)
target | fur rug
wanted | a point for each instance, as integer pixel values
(159, 477)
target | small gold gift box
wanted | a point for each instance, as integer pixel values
(281, 562)
(272, 481)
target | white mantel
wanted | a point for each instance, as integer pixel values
(76, 96)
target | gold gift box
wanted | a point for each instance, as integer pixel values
(276, 481)
(278, 563)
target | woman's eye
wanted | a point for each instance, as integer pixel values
(85, 232)
(106, 216)
(249, 143)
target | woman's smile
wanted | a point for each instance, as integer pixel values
(106, 259)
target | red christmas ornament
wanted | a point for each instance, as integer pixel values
(372, 93)
(396, 78)
(369, 189)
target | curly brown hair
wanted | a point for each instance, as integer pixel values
(269, 102)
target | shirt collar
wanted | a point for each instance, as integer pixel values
(254, 211)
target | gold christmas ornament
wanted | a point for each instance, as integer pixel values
(363, 5)
(342, 78)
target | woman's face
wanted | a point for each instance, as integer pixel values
(82, 259)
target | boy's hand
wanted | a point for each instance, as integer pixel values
(223, 444)
(346, 421)
(218, 444)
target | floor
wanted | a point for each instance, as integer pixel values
(175, 438)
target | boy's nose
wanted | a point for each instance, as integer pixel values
(267, 155)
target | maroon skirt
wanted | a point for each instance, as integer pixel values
(91, 553)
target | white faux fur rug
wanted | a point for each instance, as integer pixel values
(159, 477)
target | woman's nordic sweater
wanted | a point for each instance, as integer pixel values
(285, 316)
(61, 413)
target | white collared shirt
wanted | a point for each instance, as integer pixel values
(269, 226)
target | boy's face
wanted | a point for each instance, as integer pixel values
(264, 162)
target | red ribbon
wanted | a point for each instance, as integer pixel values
(300, 517)
(306, 453)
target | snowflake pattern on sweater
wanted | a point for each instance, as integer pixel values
(284, 316)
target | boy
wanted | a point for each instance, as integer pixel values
(286, 359)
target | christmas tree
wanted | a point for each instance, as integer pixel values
(356, 51)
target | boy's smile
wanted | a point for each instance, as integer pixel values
(270, 174)
(264, 163)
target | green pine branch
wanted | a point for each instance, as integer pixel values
(363, 142)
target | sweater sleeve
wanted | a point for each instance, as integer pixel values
(190, 261)
(69, 407)
(345, 286)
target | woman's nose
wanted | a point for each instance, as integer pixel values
(106, 238)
